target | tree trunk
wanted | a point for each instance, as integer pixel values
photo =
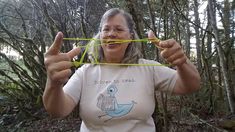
(188, 35)
(153, 27)
(208, 73)
(228, 41)
(228, 88)
(198, 43)
(93, 11)
(137, 17)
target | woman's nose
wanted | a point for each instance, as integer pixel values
(112, 33)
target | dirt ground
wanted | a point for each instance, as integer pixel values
(179, 121)
(45, 125)
(73, 125)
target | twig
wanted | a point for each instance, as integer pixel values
(205, 122)
(182, 14)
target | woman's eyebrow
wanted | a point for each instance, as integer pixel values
(104, 26)
(107, 25)
(120, 26)
(115, 26)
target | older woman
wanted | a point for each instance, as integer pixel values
(115, 98)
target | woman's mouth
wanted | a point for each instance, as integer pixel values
(111, 44)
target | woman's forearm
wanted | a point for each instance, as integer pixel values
(56, 102)
(58, 65)
(188, 78)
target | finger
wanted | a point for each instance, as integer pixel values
(61, 76)
(167, 43)
(153, 38)
(74, 52)
(179, 62)
(167, 52)
(174, 57)
(62, 65)
(56, 58)
(56, 46)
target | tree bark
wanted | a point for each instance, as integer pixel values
(188, 35)
(138, 19)
(228, 41)
(228, 88)
(153, 27)
(198, 42)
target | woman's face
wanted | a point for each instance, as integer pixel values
(114, 28)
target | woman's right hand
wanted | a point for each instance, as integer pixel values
(58, 64)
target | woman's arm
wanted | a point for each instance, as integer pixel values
(58, 65)
(188, 79)
(56, 102)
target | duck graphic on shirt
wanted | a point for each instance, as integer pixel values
(109, 104)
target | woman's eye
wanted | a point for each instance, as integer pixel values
(105, 29)
(120, 30)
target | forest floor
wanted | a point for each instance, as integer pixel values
(179, 121)
(73, 125)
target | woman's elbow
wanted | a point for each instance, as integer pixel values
(53, 110)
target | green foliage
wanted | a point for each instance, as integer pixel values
(19, 86)
(21, 96)
(28, 27)
(21, 80)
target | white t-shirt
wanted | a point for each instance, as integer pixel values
(118, 98)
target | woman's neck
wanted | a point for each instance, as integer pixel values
(113, 60)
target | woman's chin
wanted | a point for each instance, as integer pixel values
(112, 46)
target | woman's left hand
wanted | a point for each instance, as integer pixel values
(171, 50)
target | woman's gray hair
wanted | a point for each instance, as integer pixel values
(132, 54)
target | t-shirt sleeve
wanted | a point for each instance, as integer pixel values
(164, 78)
(74, 85)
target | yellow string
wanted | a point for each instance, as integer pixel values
(77, 64)
(114, 41)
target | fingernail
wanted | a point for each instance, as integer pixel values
(58, 33)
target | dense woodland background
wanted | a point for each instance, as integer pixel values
(204, 28)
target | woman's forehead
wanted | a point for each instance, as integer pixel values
(117, 20)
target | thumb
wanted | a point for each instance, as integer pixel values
(153, 38)
(56, 46)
